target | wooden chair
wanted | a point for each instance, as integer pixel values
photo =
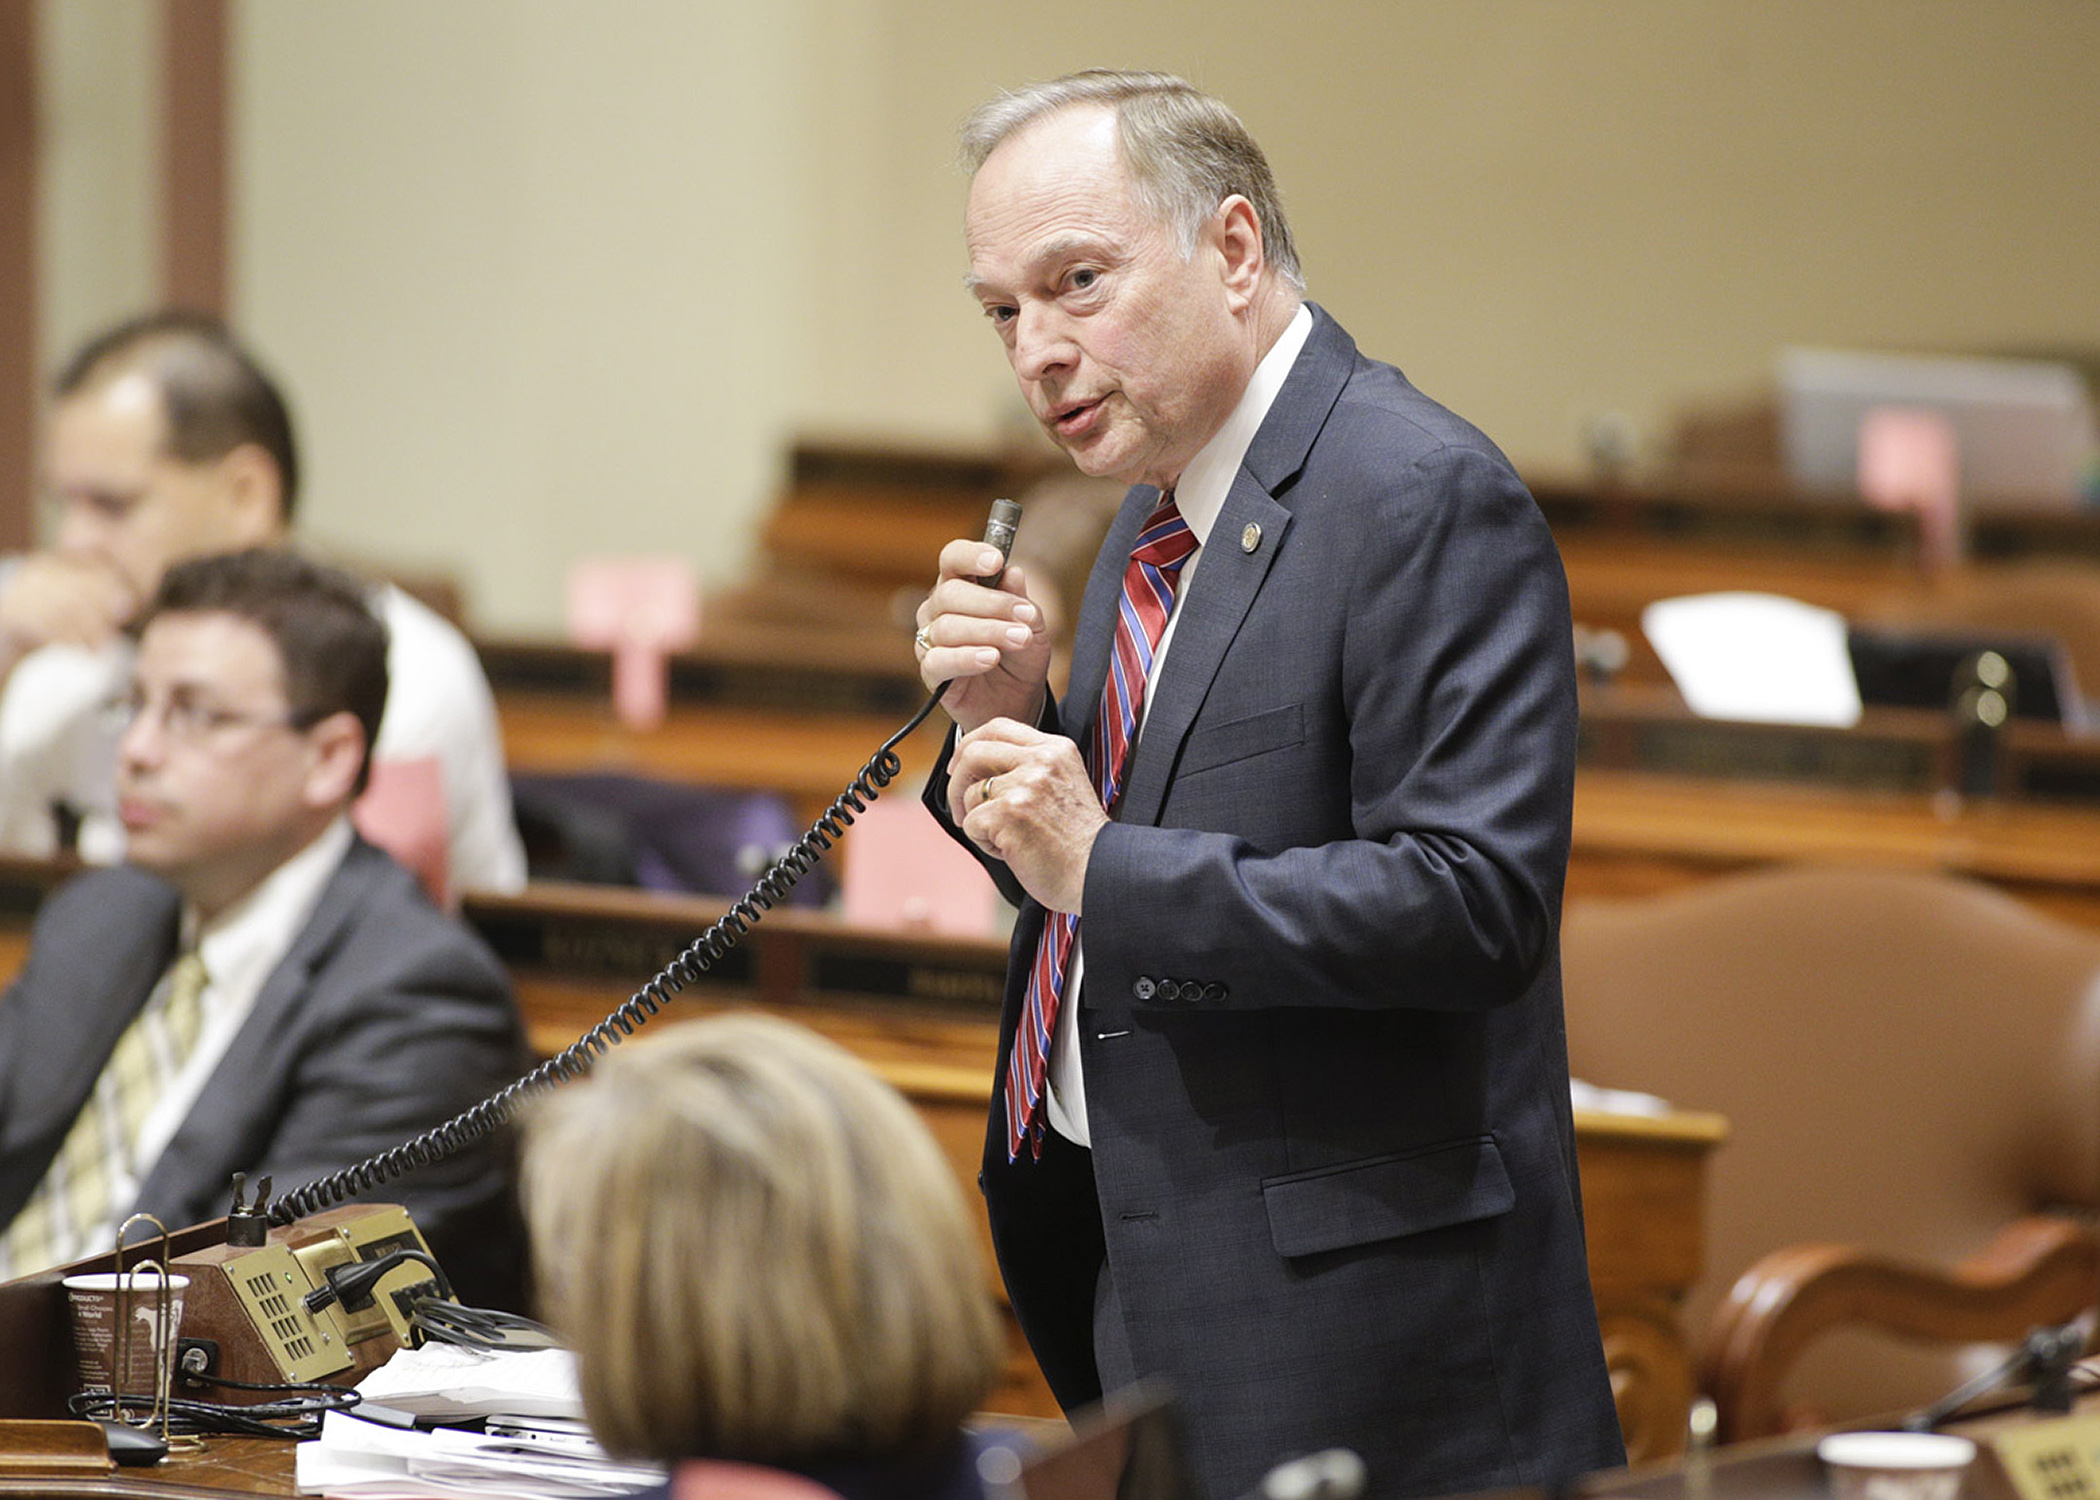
(2039, 1271)
(1908, 1062)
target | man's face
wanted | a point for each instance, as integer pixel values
(130, 505)
(1128, 352)
(215, 784)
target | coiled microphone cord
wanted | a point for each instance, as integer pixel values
(703, 954)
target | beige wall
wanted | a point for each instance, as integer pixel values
(550, 277)
(98, 113)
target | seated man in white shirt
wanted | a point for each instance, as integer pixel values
(257, 990)
(167, 441)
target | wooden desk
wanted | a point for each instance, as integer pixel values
(1626, 545)
(1716, 797)
(803, 660)
(1753, 505)
(1611, 580)
(1786, 1468)
(1634, 727)
(227, 1466)
(809, 756)
(923, 1012)
(1644, 1208)
(1637, 834)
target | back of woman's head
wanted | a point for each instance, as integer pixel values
(756, 1250)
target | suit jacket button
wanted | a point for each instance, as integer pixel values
(1215, 992)
(1171, 991)
(1143, 989)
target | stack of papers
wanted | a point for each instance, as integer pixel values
(371, 1462)
(448, 1383)
(1616, 1101)
(1759, 657)
(451, 1383)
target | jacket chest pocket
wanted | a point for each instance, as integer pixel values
(1215, 745)
(1386, 1197)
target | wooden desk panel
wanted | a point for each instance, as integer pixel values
(810, 756)
(1631, 727)
(1637, 834)
(1610, 581)
(227, 1466)
(1755, 504)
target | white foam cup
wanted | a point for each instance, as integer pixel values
(1896, 1465)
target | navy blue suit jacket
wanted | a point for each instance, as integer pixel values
(1333, 1164)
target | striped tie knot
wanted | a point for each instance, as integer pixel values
(1164, 546)
(1165, 541)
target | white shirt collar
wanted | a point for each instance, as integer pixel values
(251, 936)
(1200, 493)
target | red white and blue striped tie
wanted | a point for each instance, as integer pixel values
(1163, 546)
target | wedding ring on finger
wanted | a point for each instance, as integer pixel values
(922, 640)
(986, 791)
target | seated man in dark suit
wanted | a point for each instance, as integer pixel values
(258, 989)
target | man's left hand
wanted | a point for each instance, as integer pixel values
(1024, 797)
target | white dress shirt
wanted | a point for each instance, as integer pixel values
(1199, 495)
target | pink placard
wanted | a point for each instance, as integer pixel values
(1909, 460)
(403, 812)
(903, 871)
(641, 609)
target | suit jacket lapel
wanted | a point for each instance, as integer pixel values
(290, 981)
(215, 1135)
(109, 1001)
(1230, 574)
(80, 1009)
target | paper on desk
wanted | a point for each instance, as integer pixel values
(1756, 656)
(371, 1462)
(449, 1382)
(1616, 1101)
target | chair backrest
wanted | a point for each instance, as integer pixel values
(611, 828)
(2031, 1289)
(1907, 1062)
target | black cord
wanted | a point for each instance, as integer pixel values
(297, 1416)
(480, 1327)
(353, 1284)
(2045, 1357)
(771, 889)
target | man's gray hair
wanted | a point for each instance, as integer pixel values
(1185, 151)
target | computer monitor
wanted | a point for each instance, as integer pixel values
(2024, 429)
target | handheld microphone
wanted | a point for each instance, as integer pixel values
(999, 529)
(2044, 1361)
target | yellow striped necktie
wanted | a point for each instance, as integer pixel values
(74, 1204)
